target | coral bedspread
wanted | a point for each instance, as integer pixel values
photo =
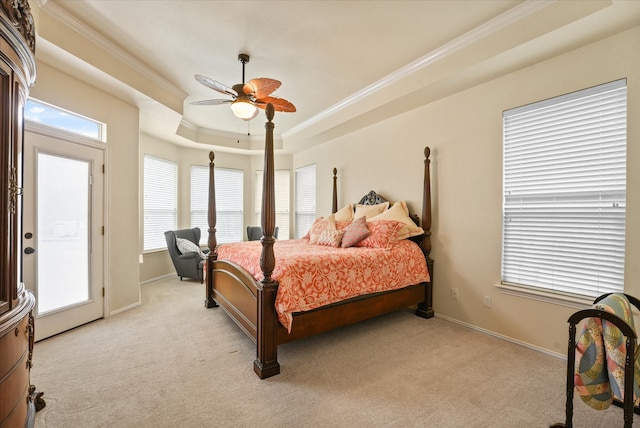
(311, 276)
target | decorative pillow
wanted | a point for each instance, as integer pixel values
(345, 213)
(400, 212)
(355, 232)
(383, 233)
(341, 225)
(370, 210)
(330, 237)
(185, 246)
(319, 227)
(308, 234)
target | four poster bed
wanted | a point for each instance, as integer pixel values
(250, 294)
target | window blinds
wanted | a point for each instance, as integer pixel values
(565, 192)
(229, 203)
(160, 201)
(305, 199)
(200, 201)
(282, 178)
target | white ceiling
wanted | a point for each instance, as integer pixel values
(344, 64)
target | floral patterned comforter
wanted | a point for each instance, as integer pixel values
(311, 276)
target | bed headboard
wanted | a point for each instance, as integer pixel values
(372, 198)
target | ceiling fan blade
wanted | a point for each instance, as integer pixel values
(211, 102)
(261, 87)
(216, 86)
(279, 104)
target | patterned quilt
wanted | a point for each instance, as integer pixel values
(600, 356)
(311, 276)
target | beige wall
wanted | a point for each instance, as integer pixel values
(464, 132)
(63, 90)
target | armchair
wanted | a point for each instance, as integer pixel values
(188, 264)
(254, 233)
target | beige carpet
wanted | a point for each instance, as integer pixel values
(173, 363)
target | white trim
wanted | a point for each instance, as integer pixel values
(505, 338)
(158, 278)
(61, 134)
(510, 17)
(126, 308)
(57, 12)
(568, 300)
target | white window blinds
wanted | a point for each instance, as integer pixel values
(565, 192)
(282, 178)
(160, 201)
(200, 201)
(229, 203)
(305, 199)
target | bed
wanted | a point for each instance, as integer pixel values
(249, 298)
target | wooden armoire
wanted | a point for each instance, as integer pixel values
(18, 400)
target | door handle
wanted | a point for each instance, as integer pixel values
(29, 250)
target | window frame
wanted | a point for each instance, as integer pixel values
(524, 180)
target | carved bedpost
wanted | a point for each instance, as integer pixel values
(426, 203)
(212, 242)
(266, 363)
(334, 206)
(426, 309)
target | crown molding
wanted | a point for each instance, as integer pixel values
(509, 17)
(66, 18)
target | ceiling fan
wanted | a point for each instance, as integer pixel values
(246, 97)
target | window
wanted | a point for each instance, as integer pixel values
(565, 192)
(200, 201)
(305, 199)
(282, 178)
(229, 203)
(160, 201)
(46, 114)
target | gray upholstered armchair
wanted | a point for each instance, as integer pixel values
(187, 264)
(254, 233)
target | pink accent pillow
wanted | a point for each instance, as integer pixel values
(355, 232)
(308, 235)
(383, 232)
(400, 212)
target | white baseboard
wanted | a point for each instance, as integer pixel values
(126, 308)
(159, 278)
(506, 338)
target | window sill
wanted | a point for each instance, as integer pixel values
(571, 301)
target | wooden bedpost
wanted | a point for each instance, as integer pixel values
(213, 251)
(425, 309)
(266, 363)
(334, 206)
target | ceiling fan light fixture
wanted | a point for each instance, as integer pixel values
(243, 109)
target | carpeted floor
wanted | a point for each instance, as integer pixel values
(173, 363)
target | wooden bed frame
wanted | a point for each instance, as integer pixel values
(251, 303)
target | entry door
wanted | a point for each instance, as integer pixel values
(62, 232)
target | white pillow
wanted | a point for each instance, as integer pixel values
(185, 246)
(345, 213)
(399, 212)
(369, 211)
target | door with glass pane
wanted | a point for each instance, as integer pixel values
(62, 238)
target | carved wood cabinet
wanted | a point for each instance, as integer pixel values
(17, 74)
